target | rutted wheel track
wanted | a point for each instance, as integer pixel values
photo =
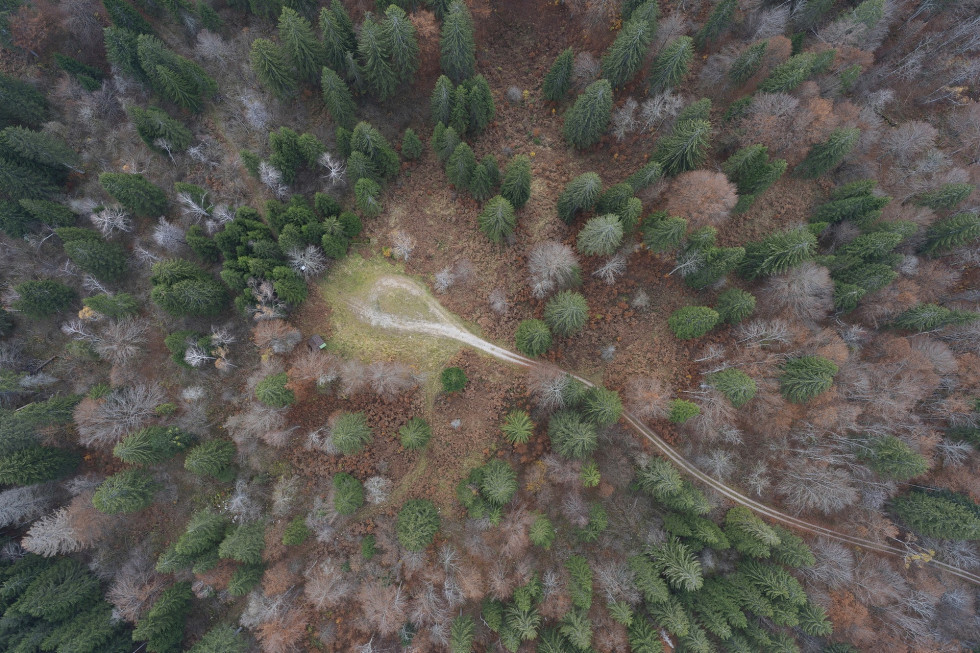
(449, 327)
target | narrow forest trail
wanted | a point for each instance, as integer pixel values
(428, 317)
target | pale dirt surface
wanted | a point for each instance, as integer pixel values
(435, 321)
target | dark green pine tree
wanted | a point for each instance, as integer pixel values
(778, 252)
(162, 627)
(485, 179)
(460, 166)
(337, 30)
(299, 43)
(516, 185)
(788, 75)
(151, 445)
(558, 79)
(122, 14)
(497, 219)
(893, 459)
(20, 103)
(43, 298)
(127, 491)
(952, 232)
(212, 458)
(369, 141)
(244, 543)
(805, 377)
(411, 145)
(662, 233)
(824, 157)
(337, 98)
(121, 50)
(441, 102)
(734, 305)
(271, 65)
(36, 464)
(154, 125)
(135, 193)
(182, 288)
(221, 639)
(402, 43)
(90, 252)
(671, 65)
(748, 63)
(482, 109)
(943, 514)
(685, 148)
(367, 194)
(456, 45)
(580, 194)
(58, 592)
(946, 197)
(571, 435)
(38, 149)
(718, 21)
(625, 56)
(752, 173)
(587, 120)
(459, 117)
(374, 55)
(176, 78)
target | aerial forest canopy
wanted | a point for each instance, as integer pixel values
(588, 326)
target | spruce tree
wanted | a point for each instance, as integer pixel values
(150, 445)
(685, 148)
(517, 427)
(952, 232)
(212, 458)
(272, 391)
(374, 55)
(461, 634)
(221, 639)
(625, 56)
(485, 179)
(411, 145)
(946, 197)
(566, 313)
(337, 98)
(459, 117)
(893, 459)
(299, 43)
(940, 514)
(90, 252)
(498, 482)
(805, 377)
(788, 75)
(20, 180)
(154, 125)
(121, 50)
(734, 305)
(375, 146)
(601, 406)
(692, 321)
(748, 63)
(748, 534)
(497, 220)
(350, 433)
(718, 21)
(460, 166)
(176, 78)
(36, 464)
(532, 338)
(402, 42)
(824, 157)
(580, 194)
(182, 288)
(44, 298)
(337, 31)
(348, 494)
(441, 101)
(587, 120)
(271, 65)
(927, 317)
(737, 386)
(516, 185)
(123, 15)
(417, 524)
(127, 491)
(162, 627)
(600, 236)
(456, 45)
(36, 148)
(481, 106)
(662, 233)
(415, 434)
(20, 103)
(453, 379)
(244, 543)
(367, 193)
(671, 65)
(778, 253)
(752, 173)
(680, 410)
(135, 193)
(558, 79)
(645, 177)
(571, 435)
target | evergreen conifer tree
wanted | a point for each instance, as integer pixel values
(671, 65)
(600, 236)
(737, 386)
(788, 75)
(374, 55)
(411, 145)
(927, 317)
(36, 464)
(417, 524)
(681, 410)
(805, 377)
(517, 427)
(150, 445)
(122, 14)
(459, 117)
(221, 639)
(778, 253)
(368, 195)
(587, 120)
(571, 435)
(135, 193)
(178, 79)
(182, 288)
(734, 305)
(645, 177)
(337, 30)
(461, 634)
(441, 102)
(481, 106)
(941, 514)
(824, 157)
(212, 458)
(375, 146)
(752, 173)
(498, 482)
(153, 125)
(718, 21)
(486, 177)
(625, 56)
(692, 321)
(35, 148)
(566, 313)
(244, 543)
(162, 627)
(127, 491)
(946, 197)
(748, 63)
(402, 42)
(497, 220)
(350, 433)
(748, 534)
(893, 459)
(684, 148)
(44, 298)
(415, 434)
(20, 103)
(532, 338)
(516, 185)
(601, 406)
(271, 65)
(300, 45)
(337, 98)
(558, 79)
(952, 232)
(662, 233)
(348, 494)
(580, 194)
(456, 45)
(90, 252)
(272, 391)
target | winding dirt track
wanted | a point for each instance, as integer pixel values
(445, 325)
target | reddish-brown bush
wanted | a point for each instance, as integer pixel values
(704, 198)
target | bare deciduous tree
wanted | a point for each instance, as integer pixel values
(327, 585)
(552, 266)
(276, 335)
(102, 423)
(805, 292)
(383, 607)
